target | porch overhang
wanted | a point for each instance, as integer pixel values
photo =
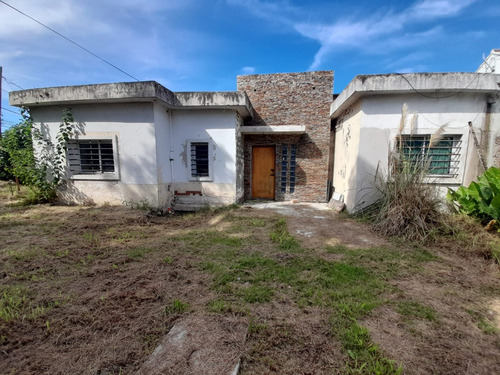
(276, 129)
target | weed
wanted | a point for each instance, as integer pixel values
(176, 307)
(487, 326)
(15, 304)
(256, 293)
(219, 306)
(282, 237)
(168, 260)
(143, 204)
(416, 310)
(22, 255)
(139, 252)
(92, 238)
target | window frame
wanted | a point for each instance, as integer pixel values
(209, 142)
(98, 175)
(454, 156)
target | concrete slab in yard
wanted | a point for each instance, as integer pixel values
(199, 345)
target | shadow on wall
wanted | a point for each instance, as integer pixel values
(312, 151)
(69, 194)
(363, 183)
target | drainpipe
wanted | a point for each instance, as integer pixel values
(171, 157)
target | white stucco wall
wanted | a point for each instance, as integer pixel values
(218, 127)
(163, 136)
(131, 125)
(378, 119)
(152, 163)
(346, 150)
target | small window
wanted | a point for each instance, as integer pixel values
(200, 167)
(199, 159)
(91, 157)
(441, 158)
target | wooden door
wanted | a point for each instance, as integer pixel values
(263, 172)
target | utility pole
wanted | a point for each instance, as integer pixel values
(1, 79)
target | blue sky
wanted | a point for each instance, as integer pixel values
(202, 45)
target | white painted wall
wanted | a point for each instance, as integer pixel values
(133, 126)
(346, 151)
(151, 143)
(163, 136)
(378, 120)
(218, 126)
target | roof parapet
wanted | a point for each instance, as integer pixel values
(431, 85)
(132, 92)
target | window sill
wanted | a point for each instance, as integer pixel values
(96, 177)
(201, 179)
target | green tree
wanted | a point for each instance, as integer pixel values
(41, 170)
(17, 158)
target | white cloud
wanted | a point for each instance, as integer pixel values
(135, 36)
(248, 70)
(382, 31)
(429, 9)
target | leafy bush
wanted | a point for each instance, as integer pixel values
(17, 152)
(481, 199)
(42, 171)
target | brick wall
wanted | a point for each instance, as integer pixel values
(292, 99)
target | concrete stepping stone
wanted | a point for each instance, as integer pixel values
(199, 344)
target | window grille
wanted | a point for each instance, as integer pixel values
(199, 159)
(442, 159)
(91, 156)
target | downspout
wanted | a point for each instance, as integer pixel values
(171, 159)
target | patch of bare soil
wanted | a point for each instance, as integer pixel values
(453, 343)
(294, 340)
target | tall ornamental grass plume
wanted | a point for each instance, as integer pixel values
(406, 205)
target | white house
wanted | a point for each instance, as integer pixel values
(140, 141)
(367, 114)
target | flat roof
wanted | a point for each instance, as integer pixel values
(143, 91)
(432, 85)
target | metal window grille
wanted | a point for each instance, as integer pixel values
(91, 156)
(199, 159)
(442, 159)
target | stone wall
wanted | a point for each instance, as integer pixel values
(292, 99)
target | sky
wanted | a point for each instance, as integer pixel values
(202, 45)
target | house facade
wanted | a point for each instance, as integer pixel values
(140, 141)
(282, 136)
(367, 115)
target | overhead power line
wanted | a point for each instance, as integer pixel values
(11, 83)
(69, 40)
(8, 110)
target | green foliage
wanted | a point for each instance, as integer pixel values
(481, 199)
(42, 170)
(282, 237)
(16, 157)
(176, 307)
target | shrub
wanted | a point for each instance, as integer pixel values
(406, 205)
(481, 199)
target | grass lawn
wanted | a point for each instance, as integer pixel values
(92, 290)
